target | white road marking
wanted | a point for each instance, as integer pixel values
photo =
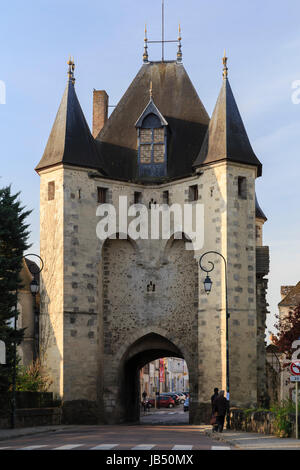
(143, 447)
(31, 447)
(104, 447)
(182, 447)
(220, 448)
(3, 448)
(68, 447)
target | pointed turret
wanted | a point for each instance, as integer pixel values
(226, 137)
(71, 141)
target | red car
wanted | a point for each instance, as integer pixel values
(162, 401)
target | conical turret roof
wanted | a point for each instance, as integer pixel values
(226, 137)
(71, 141)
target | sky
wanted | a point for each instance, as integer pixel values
(262, 41)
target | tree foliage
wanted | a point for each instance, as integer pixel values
(32, 378)
(288, 331)
(13, 242)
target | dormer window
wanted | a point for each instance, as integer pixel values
(152, 142)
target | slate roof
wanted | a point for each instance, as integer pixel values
(293, 297)
(226, 137)
(258, 211)
(70, 140)
(177, 100)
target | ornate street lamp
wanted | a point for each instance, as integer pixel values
(207, 287)
(34, 289)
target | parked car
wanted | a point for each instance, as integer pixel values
(175, 397)
(186, 404)
(163, 401)
(182, 397)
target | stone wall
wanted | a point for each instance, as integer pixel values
(100, 307)
(31, 417)
(263, 422)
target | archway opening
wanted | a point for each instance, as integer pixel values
(149, 350)
(164, 385)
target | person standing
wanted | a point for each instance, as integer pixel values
(213, 397)
(144, 401)
(213, 417)
(220, 408)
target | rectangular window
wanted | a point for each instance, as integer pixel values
(102, 195)
(145, 153)
(166, 197)
(193, 193)
(159, 135)
(51, 190)
(242, 187)
(146, 136)
(159, 153)
(137, 197)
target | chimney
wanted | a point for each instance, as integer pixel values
(100, 110)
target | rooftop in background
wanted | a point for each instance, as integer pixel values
(292, 299)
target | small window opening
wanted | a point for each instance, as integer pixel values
(166, 197)
(137, 197)
(193, 193)
(242, 187)
(102, 195)
(51, 190)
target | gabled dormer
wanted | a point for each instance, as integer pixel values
(152, 142)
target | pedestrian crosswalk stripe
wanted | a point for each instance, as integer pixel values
(32, 447)
(68, 447)
(182, 447)
(220, 448)
(143, 447)
(104, 447)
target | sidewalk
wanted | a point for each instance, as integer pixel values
(254, 441)
(19, 432)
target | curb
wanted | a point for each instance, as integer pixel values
(13, 434)
(218, 437)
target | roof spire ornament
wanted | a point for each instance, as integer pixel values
(71, 69)
(225, 68)
(179, 51)
(150, 90)
(145, 55)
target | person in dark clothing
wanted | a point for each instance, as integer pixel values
(214, 396)
(212, 399)
(220, 408)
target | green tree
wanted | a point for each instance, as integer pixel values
(13, 242)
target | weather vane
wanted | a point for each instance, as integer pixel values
(162, 41)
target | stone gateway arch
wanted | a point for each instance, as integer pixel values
(100, 323)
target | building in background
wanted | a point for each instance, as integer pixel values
(169, 374)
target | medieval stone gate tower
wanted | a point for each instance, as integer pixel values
(109, 307)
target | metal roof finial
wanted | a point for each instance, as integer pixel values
(71, 69)
(145, 55)
(179, 51)
(225, 68)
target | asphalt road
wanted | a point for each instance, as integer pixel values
(139, 437)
